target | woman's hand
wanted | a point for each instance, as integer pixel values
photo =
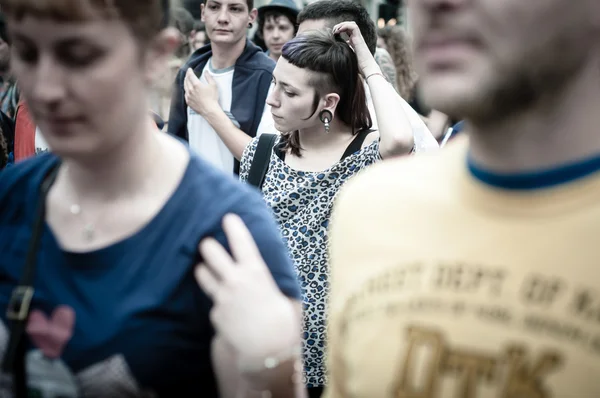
(250, 312)
(201, 97)
(366, 62)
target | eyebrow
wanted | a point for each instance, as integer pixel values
(286, 85)
(67, 42)
(239, 4)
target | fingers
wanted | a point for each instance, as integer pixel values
(207, 280)
(242, 244)
(349, 27)
(216, 258)
(191, 80)
(209, 78)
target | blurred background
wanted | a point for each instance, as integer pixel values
(383, 12)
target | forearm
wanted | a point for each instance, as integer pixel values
(395, 130)
(234, 138)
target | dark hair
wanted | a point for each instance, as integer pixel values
(199, 26)
(182, 20)
(336, 70)
(336, 11)
(144, 17)
(275, 14)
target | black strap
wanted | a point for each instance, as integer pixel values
(356, 144)
(20, 301)
(261, 160)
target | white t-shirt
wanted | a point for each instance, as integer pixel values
(203, 139)
(41, 145)
(424, 140)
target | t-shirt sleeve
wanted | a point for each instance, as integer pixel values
(259, 220)
(247, 158)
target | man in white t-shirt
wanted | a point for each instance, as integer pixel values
(326, 14)
(231, 70)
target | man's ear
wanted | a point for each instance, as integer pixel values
(253, 15)
(159, 51)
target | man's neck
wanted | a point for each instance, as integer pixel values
(557, 130)
(225, 56)
(274, 57)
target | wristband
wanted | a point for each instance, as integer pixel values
(376, 73)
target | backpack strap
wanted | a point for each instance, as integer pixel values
(19, 306)
(261, 160)
(356, 144)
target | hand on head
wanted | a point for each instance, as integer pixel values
(366, 62)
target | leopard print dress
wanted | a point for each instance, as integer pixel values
(302, 202)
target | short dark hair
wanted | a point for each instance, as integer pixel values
(336, 11)
(275, 14)
(249, 3)
(182, 20)
(336, 70)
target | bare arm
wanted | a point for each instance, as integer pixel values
(283, 381)
(395, 131)
(234, 138)
(204, 99)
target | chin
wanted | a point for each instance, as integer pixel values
(453, 95)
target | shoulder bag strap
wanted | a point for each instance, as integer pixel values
(19, 306)
(356, 144)
(261, 160)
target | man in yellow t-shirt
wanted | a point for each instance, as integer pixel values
(475, 272)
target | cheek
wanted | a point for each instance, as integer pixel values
(298, 109)
(289, 35)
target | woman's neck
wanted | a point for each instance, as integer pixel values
(125, 170)
(315, 138)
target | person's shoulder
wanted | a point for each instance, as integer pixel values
(197, 60)
(259, 62)
(220, 191)
(396, 183)
(18, 181)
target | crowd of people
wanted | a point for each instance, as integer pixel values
(198, 208)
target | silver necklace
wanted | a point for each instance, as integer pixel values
(89, 231)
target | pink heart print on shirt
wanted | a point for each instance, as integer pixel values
(51, 336)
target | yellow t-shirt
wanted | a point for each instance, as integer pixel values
(445, 287)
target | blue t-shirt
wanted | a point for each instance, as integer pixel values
(141, 321)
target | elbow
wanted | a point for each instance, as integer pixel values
(398, 144)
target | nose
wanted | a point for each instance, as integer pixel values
(272, 98)
(223, 17)
(47, 83)
(276, 33)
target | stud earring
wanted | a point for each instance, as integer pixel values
(326, 117)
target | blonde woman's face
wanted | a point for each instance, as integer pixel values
(85, 82)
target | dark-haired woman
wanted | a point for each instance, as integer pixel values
(319, 105)
(109, 305)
